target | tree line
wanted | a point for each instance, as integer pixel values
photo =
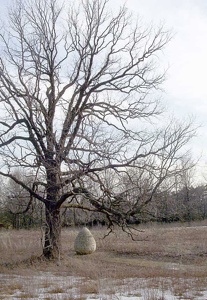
(182, 201)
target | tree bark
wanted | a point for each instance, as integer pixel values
(52, 241)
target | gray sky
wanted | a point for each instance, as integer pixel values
(185, 90)
(186, 85)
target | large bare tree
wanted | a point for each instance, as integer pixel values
(77, 90)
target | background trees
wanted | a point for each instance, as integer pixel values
(21, 209)
(77, 95)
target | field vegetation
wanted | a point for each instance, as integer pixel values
(163, 258)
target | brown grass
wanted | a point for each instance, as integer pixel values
(164, 257)
(19, 245)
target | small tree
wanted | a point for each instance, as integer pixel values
(76, 90)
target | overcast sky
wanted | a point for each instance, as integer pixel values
(186, 55)
(186, 85)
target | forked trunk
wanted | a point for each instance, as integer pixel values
(52, 242)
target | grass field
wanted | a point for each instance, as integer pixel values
(166, 262)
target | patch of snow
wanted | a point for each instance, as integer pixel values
(52, 286)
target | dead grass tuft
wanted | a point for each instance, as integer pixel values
(19, 245)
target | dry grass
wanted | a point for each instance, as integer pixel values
(19, 245)
(164, 257)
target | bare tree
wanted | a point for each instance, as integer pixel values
(75, 91)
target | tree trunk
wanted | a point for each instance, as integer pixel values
(52, 242)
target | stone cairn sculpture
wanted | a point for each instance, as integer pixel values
(85, 242)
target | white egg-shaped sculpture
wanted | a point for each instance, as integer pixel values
(85, 242)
